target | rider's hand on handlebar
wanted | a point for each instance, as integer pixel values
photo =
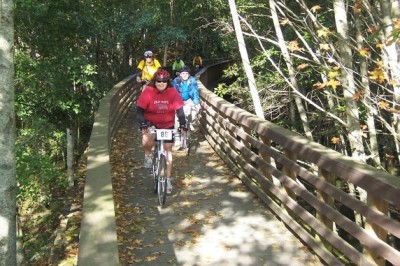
(183, 128)
(144, 127)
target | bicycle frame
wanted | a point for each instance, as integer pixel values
(159, 169)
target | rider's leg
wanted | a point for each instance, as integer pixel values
(147, 142)
(188, 111)
(168, 150)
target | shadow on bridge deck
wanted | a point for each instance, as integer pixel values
(210, 219)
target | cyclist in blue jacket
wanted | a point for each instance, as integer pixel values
(189, 91)
(187, 86)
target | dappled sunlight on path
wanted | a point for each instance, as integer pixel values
(210, 219)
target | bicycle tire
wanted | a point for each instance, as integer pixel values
(154, 168)
(162, 180)
(155, 176)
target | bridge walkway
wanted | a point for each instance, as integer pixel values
(210, 219)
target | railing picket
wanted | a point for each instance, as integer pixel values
(265, 156)
(321, 195)
(377, 204)
(287, 171)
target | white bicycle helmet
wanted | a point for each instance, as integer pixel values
(148, 53)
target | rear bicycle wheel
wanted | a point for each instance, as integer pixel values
(162, 180)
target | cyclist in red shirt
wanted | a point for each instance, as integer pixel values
(157, 105)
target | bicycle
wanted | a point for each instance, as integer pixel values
(159, 166)
(191, 116)
(143, 82)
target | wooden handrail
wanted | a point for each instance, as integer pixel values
(98, 235)
(296, 177)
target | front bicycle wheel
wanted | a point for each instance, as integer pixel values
(155, 174)
(162, 180)
(154, 169)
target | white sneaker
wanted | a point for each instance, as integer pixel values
(169, 186)
(148, 162)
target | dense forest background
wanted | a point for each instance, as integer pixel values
(328, 70)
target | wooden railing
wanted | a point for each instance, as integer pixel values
(298, 180)
(98, 234)
(295, 177)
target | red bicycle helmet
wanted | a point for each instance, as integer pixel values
(161, 75)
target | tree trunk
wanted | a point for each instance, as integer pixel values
(347, 79)
(165, 56)
(292, 73)
(246, 61)
(374, 149)
(392, 56)
(70, 156)
(8, 243)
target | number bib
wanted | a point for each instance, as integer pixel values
(164, 134)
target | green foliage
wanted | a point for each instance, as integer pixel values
(40, 179)
(38, 149)
(66, 88)
(223, 90)
(170, 34)
(36, 177)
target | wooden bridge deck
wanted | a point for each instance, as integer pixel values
(210, 219)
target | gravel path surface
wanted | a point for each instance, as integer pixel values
(210, 219)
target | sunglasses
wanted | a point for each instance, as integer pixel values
(148, 56)
(162, 80)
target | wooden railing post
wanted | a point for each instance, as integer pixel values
(322, 196)
(292, 156)
(266, 157)
(382, 206)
